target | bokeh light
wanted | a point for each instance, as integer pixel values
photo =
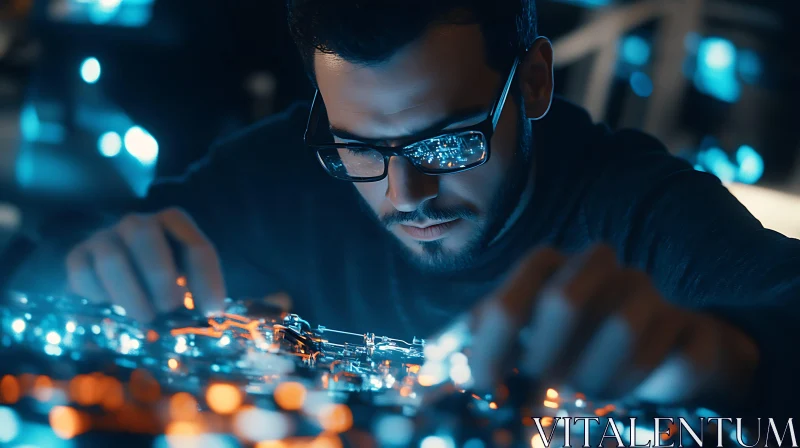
(290, 395)
(90, 70)
(9, 424)
(9, 389)
(223, 398)
(141, 145)
(336, 418)
(109, 144)
(67, 422)
(635, 50)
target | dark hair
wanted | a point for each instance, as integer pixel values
(371, 31)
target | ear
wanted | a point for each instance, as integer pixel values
(536, 78)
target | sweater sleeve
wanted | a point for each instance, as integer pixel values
(705, 251)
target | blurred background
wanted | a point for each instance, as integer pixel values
(97, 97)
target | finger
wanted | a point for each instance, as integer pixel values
(200, 261)
(666, 326)
(560, 307)
(497, 322)
(690, 366)
(81, 276)
(118, 277)
(153, 260)
(604, 358)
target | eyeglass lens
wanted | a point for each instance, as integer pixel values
(442, 154)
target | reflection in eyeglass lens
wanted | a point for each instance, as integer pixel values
(444, 153)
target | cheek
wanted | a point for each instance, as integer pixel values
(374, 193)
(480, 186)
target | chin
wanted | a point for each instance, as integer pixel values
(437, 256)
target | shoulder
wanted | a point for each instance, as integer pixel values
(287, 125)
(269, 145)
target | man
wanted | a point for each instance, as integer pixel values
(431, 176)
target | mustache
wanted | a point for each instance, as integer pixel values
(430, 213)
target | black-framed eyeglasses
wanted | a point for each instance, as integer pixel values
(440, 152)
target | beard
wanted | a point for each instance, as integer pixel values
(435, 258)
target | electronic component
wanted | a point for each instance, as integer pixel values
(255, 357)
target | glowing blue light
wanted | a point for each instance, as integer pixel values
(53, 350)
(9, 424)
(717, 54)
(90, 70)
(641, 84)
(718, 164)
(53, 338)
(394, 430)
(109, 4)
(436, 442)
(750, 66)
(29, 123)
(109, 144)
(635, 50)
(141, 145)
(716, 69)
(474, 443)
(18, 325)
(751, 165)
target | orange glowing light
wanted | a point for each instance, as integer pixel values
(546, 421)
(172, 363)
(9, 390)
(182, 407)
(216, 329)
(336, 418)
(152, 336)
(43, 388)
(67, 422)
(84, 390)
(113, 394)
(290, 395)
(600, 412)
(551, 404)
(182, 429)
(326, 440)
(272, 444)
(223, 398)
(181, 281)
(493, 405)
(413, 368)
(405, 391)
(537, 442)
(426, 380)
(672, 428)
(188, 301)
(552, 394)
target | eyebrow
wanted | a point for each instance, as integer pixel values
(441, 125)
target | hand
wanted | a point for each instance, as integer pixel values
(133, 265)
(597, 328)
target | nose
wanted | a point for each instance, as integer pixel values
(409, 188)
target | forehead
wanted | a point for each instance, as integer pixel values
(443, 72)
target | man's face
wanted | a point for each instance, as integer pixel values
(444, 221)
